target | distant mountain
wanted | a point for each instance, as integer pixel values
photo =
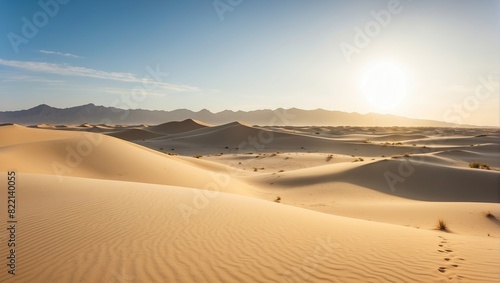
(93, 114)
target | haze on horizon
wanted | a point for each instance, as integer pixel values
(435, 60)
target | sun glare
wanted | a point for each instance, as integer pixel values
(384, 86)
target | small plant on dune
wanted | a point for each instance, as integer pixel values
(474, 164)
(489, 215)
(485, 166)
(278, 199)
(197, 156)
(479, 165)
(442, 225)
(329, 157)
(406, 155)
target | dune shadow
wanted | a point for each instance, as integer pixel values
(494, 219)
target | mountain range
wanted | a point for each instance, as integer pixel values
(94, 114)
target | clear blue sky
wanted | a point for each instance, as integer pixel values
(255, 54)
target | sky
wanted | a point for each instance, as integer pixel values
(422, 59)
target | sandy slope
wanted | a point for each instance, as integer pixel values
(86, 230)
(94, 208)
(169, 128)
(446, 183)
(98, 156)
(187, 125)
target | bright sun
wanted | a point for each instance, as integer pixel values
(384, 86)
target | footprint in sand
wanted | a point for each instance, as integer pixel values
(449, 259)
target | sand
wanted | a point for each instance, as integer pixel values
(193, 202)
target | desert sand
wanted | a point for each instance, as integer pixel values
(193, 202)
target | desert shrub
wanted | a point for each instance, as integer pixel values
(441, 225)
(489, 215)
(479, 165)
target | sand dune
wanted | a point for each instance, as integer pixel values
(487, 154)
(238, 137)
(404, 177)
(106, 231)
(169, 128)
(179, 127)
(399, 137)
(135, 134)
(96, 208)
(16, 135)
(98, 156)
(231, 134)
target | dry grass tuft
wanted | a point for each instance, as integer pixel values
(489, 215)
(442, 225)
(479, 165)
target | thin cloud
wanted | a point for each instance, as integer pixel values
(68, 70)
(17, 78)
(59, 53)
